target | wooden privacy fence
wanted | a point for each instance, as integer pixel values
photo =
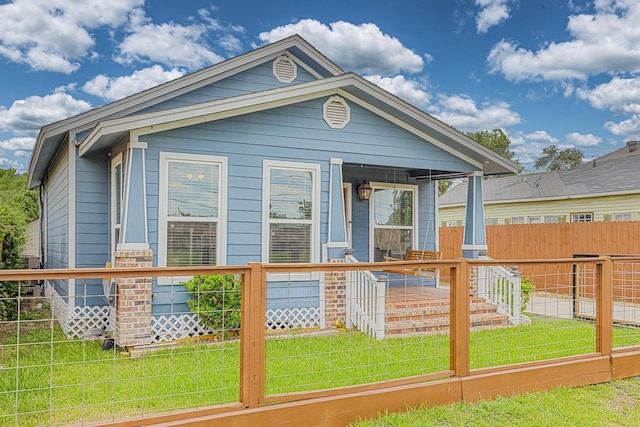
(551, 241)
(252, 385)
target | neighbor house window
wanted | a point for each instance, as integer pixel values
(192, 210)
(622, 216)
(393, 210)
(534, 220)
(551, 219)
(582, 217)
(452, 223)
(517, 220)
(291, 214)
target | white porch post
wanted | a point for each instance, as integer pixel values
(475, 240)
(134, 235)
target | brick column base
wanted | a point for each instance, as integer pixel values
(133, 300)
(473, 281)
(335, 296)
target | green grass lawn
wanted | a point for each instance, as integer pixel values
(63, 381)
(602, 405)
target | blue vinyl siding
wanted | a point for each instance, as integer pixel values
(256, 79)
(295, 133)
(92, 225)
(295, 294)
(57, 219)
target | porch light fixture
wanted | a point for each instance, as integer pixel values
(364, 190)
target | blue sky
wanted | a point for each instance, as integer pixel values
(545, 71)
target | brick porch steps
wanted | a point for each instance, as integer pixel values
(428, 314)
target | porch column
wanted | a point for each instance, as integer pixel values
(475, 240)
(337, 233)
(134, 234)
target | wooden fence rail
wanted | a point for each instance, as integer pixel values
(552, 241)
(342, 405)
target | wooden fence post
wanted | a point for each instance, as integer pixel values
(604, 306)
(459, 329)
(252, 336)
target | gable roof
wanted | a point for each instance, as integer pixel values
(52, 135)
(112, 122)
(600, 178)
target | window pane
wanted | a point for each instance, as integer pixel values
(191, 243)
(193, 190)
(393, 207)
(289, 243)
(391, 242)
(290, 194)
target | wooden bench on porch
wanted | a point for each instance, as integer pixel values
(415, 255)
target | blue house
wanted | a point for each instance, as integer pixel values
(256, 159)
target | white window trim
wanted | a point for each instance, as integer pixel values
(387, 186)
(115, 161)
(573, 214)
(163, 188)
(314, 254)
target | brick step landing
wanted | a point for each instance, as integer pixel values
(405, 319)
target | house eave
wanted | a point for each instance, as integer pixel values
(54, 132)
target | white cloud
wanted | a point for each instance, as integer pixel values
(114, 88)
(629, 128)
(464, 114)
(363, 48)
(620, 95)
(54, 35)
(171, 44)
(604, 42)
(14, 144)
(22, 154)
(541, 136)
(582, 140)
(11, 164)
(411, 91)
(27, 116)
(492, 13)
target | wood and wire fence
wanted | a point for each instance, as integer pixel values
(273, 344)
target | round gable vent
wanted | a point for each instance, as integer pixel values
(284, 69)
(336, 112)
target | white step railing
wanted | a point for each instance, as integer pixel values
(501, 286)
(365, 295)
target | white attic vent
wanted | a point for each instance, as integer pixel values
(285, 69)
(336, 112)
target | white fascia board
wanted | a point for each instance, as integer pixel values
(419, 115)
(411, 129)
(188, 115)
(182, 85)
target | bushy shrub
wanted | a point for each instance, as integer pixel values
(216, 299)
(526, 289)
(8, 301)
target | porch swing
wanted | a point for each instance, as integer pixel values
(415, 255)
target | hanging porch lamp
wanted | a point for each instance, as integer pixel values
(364, 191)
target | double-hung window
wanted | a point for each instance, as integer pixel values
(393, 213)
(291, 212)
(582, 217)
(192, 208)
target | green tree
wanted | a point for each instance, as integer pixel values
(496, 140)
(555, 159)
(18, 206)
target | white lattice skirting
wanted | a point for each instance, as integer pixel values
(288, 318)
(177, 326)
(80, 320)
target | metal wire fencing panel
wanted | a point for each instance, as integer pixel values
(547, 327)
(626, 303)
(75, 352)
(371, 326)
